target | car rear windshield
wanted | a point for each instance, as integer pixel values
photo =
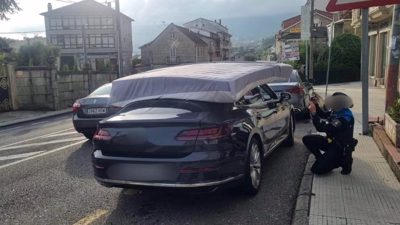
(103, 90)
(192, 106)
(292, 78)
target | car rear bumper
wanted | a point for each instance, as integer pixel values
(298, 103)
(168, 174)
(200, 187)
(85, 124)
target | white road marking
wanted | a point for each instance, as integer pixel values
(42, 143)
(40, 122)
(42, 154)
(10, 129)
(62, 134)
(18, 156)
(42, 136)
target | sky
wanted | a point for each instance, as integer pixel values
(156, 13)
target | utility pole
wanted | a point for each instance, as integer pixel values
(392, 78)
(311, 70)
(330, 53)
(118, 18)
(364, 70)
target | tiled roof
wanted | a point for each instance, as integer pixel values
(326, 14)
(192, 36)
(84, 7)
(289, 22)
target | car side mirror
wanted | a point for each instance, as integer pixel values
(311, 80)
(285, 96)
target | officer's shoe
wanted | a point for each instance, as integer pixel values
(346, 171)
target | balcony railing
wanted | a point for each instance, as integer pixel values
(172, 60)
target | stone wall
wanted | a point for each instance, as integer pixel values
(40, 88)
(35, 89)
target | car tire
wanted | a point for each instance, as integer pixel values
(252, 181)
(88, 135)
(289, 142)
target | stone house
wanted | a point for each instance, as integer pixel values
(380, 33)
(175, 45)
(65, 28)
(215, 35)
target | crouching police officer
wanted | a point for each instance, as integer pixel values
(339, 143)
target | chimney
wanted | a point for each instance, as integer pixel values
(49, 7)
(109, 4)
(219, 21)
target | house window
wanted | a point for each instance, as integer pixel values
(73, 41)
(76, 22)
(172, 35)
(172, 52)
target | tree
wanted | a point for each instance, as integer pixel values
(345, 53)
(8, 7)
(36, 54)
(250, 57)
(136, 61)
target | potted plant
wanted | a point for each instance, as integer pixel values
(392, 122)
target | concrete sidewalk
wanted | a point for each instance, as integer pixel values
(16, 117)
(371, 194)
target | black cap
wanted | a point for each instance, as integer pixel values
(339, 93)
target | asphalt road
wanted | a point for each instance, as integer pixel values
(46, 178)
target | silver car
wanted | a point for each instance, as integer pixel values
(300, 89)
(88, 111)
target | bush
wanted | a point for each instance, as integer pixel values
(36, 54)
(250, 57)
(65, 67)
(394, 110)
(345, 54)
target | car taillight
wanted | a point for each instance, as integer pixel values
(295, 90)
(102, 135)
(204, 134)
(116, 106)
(76, 106)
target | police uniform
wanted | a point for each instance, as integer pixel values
(339, 143)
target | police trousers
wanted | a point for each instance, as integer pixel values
(334, 155)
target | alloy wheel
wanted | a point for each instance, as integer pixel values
(255, 165)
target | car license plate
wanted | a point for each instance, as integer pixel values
(97, 111)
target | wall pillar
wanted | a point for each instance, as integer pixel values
(54, 87)
(12, 91)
